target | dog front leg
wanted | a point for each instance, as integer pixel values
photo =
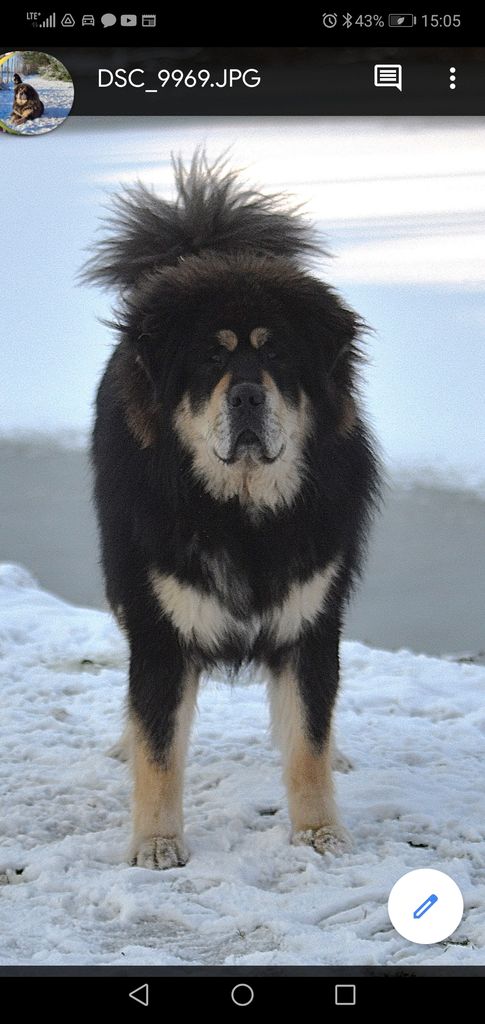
(302, 695)
(163, 693)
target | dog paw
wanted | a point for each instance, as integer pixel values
(326, 839)
(341, 763)
(160, 852)
(121, 749)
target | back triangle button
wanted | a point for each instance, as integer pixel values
(140, 995)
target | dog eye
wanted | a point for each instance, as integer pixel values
(218, 358)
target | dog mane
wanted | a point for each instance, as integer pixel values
(212, 212)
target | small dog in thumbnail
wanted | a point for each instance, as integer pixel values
(27, 104)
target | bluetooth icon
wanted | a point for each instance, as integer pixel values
(347, 21)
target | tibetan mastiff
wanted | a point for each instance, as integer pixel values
(27, 104)
(234, 481)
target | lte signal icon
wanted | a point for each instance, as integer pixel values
(49, 22)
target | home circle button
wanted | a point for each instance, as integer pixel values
(242, 995)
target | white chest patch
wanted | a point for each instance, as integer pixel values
(204, 619)
(303, 604)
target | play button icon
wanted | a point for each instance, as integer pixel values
(140, 995)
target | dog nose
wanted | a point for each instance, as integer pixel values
(246, 396)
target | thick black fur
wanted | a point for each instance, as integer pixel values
(212, 213)
(222, 257)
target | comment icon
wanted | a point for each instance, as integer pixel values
(108, 19)
(388, 76)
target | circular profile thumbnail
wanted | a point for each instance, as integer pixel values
(36, 92)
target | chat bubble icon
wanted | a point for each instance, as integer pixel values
(388, 76)
(108, 19)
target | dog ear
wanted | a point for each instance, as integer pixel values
(334, 333)
(140, 389)
(147, 358)
(159, 362)
(340, 375)
(145, 354)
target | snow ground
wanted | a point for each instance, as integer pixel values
(57, 97)
(414, 727)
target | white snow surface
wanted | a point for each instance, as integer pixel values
(57, 97)
(413, 726)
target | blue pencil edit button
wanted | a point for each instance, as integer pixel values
(420, 891)
(430, 902)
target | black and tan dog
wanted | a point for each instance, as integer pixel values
(27, 104)
(234, 482)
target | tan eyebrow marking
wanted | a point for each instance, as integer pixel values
(228, 339)
(258, 336)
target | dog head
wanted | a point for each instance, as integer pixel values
(24, 94)
(248, 362)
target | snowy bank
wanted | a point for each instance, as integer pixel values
(413, 726)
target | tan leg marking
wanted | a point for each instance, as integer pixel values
(307, 770)
(158, 792)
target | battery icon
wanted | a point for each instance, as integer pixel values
(401, 20)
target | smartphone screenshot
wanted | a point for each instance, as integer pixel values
(242, 502)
